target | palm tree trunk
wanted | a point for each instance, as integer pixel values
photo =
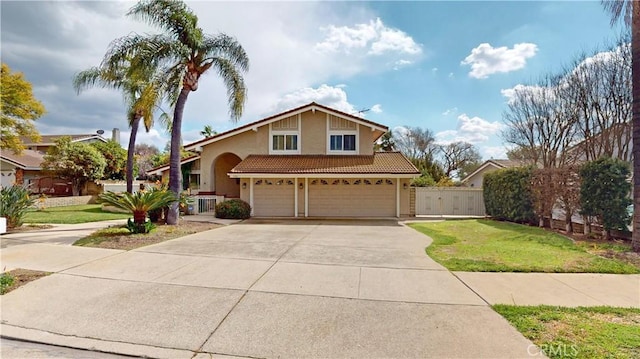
(130, 152)
(175, 174)
(635, 72)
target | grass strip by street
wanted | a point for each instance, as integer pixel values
(492, 246)
(120, 237)
(72, 215)
(583, 332)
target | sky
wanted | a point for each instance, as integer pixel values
(445, 66)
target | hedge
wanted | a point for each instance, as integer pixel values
(507, 195)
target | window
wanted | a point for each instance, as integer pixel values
(285, 143)
(343, 142)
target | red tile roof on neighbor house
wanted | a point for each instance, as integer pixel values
(380, 163)
(27, 160)
(251, 125)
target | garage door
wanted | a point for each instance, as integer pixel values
(369, 197)
(273, 197)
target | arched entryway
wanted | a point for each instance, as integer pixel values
(223, 185)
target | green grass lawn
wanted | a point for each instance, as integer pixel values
(72, 214)
(594, 332)
(492, 246)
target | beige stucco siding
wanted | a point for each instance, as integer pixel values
(242, 145)
(314, 133)
(364, 138)
(405, 197)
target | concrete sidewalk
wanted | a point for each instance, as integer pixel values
(61, 234)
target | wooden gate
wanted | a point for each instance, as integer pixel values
(449, 201)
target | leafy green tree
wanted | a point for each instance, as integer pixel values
(143, 90)
(604, 193)
(74, 161)
(144, 154)
(386, 143)
(116, 158)
(185, 52)
(18, 112)
(630, 12)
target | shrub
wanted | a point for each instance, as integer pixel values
(423, 181)
(14, 204)
(139, 204)
(604, 193)
(233, 209)
(507, 195)
(6, 281)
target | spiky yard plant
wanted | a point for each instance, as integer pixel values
(139, 203)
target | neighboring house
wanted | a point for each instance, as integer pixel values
(19, 169)
(474, 179)
(25, 168)
(311, 161)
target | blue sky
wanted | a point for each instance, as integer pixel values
(439, 65)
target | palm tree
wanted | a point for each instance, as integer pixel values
(208, 131)
(143, 92)
(630, 12)
(139, 204)
(186, 53)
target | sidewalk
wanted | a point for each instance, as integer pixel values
(61, 234)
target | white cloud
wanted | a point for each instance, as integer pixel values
(486, 60)
(377, 108)
(470, 129)
(331, 96)
(434, 70)
(450, 111)
(450, 74)
(495, 152)
(401, 63)
(374, 37)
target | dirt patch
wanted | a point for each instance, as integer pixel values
(29, 227)
(22, 277)
(120, 238)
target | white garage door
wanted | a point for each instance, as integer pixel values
(7, 178)
(273, 197)
(371, 197)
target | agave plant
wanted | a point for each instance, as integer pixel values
(139, 203)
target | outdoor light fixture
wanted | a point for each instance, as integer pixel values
(244, 185)
(301, 185)
(405, 185)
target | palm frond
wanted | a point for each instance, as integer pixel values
(174, 17)
(223, 45)
(619, 10)
(234, 82)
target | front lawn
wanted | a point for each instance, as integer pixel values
(492, 246)
(594, 332)
(72, 215)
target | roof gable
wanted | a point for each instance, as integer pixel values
(27, 160)
(265, 121)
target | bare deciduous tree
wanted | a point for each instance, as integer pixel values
(458, 156)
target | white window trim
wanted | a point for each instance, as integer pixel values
(331, 132)
(273, 132)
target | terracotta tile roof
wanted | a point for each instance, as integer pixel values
(379, 163)
(255, 123)
(28, 159)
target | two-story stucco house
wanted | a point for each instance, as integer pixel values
(311, 161)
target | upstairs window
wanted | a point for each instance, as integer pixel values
(285, 143)
(343, 143)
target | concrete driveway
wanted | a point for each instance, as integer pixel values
(263, 289)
